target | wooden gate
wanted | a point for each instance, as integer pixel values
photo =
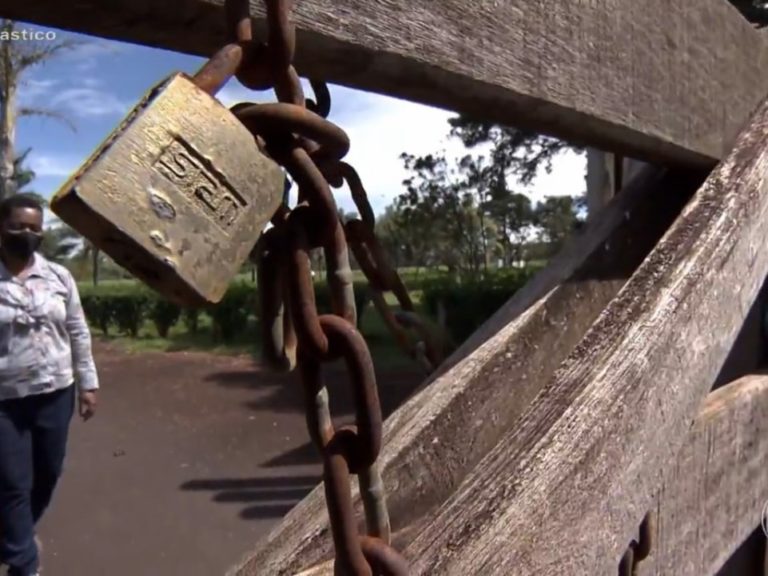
(618, 397)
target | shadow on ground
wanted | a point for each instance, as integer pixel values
(283, 393)
(274, 496)
(263, 498)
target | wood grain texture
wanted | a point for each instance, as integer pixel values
(563, 491)
(712, 499)
(655, 80)
(432, 442)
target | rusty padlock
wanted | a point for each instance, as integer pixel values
(179, 193)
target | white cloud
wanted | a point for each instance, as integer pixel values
(380, 128)
(58, 166)
(234, 92)
(91, 82)
(33, 89)
(566, 179)
(85, 56)
(87, 102)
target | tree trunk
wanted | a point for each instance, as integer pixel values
(605, 177)
(506, 257)
(95, 265)
(7, 117)
(483, 233)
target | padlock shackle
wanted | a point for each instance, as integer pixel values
(222, 66)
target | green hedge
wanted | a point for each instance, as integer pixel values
(468, 304)
(126, 306)
(230, 316)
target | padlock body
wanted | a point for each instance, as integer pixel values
(177, 195)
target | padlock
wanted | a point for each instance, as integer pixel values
(178, 194)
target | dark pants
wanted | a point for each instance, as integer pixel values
(33, 439)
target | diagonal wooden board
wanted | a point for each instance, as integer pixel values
(565, 488)
(662, 81)
(713, 498)
(424, 458)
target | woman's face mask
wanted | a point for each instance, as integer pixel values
(20, 244)
(21, 233)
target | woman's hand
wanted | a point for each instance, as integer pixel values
(87, 404)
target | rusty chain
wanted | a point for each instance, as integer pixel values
(383, 277)
(296, 134)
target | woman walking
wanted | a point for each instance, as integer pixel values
(45, 354)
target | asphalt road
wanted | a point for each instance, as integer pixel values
(190, 459)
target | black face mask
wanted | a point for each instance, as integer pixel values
(20, 244)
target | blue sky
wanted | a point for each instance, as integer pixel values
(96, 84)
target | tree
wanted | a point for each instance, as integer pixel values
(471, 210)
(66, 243)
(556, 218)
(397, 237)
(23, 176)
(440, 210)
(61, 243)
(514, 152)
(514, 215)
(17, 58)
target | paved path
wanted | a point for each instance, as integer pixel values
(189, 461)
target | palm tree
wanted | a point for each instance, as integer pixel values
(16, 58)
(60, 243)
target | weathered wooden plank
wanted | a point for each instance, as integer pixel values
(713, 498)
(655, 80)
(612, 419)
(435, 439)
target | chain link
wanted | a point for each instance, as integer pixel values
(383, 277)
(296, 134)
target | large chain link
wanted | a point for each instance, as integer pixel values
(295, 133)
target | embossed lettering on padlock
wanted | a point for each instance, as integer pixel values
(178, 194)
